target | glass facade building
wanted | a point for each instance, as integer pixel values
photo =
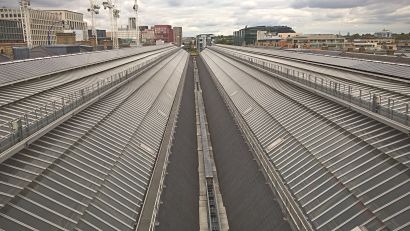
(248, 35)
(11, 31)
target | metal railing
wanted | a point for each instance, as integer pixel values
(365, 99)
(31, 122)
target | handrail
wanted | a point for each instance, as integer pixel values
(23, 126)
(366, 100)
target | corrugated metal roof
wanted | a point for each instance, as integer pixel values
(344, 169)
(11, 72)
(92, 171)
(378, 67)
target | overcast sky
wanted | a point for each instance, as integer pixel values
(225, 16)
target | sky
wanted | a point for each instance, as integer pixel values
(222, 17)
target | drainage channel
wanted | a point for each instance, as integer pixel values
(212, 214)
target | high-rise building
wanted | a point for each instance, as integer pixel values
(132, 24)
(177, 36)
(164, 33)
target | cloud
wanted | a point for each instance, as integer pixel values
(225, 16)
(327, 4)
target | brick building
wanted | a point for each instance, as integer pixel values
(164, 33)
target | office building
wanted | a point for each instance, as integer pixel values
(317, 41)
(11, 35)
(164, 33)
(248, 35)
(43, 23)
(177, 36)
(74, 22)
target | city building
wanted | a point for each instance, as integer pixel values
(101, 34)
(317, 41)
(43, 24)
(375, 44)
(164, 32)
(132, 23)
(177, 36)
(248, 35)
(126, 34)
(148, 37)
(11, 31)
(383, 34)
(73, 22)
(11, 35)
(66, 38)
(204, 40)
(265, 38)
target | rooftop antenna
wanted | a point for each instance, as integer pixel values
(94, 9)
(114, 15)
(26, 22)
(136, 23)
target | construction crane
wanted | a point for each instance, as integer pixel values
(94, 9)
(136, 23)
(114, 16)
(26, 22)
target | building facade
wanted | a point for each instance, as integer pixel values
(204, 40)
(317, 41)
(164, 33)
(148, 37)
(43, 23)
(11, 35)
(375, 44)
(73, 21)
(132, 23)
(248, 35)
(177, 36)
(11, 31)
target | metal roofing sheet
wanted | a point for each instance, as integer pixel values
(344, 169)
(384, 68)
(25, 69)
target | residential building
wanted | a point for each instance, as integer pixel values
(177, 36)
(43, 24)
(204, 40)
(317, 41)
(164, 32)
(248, 35)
